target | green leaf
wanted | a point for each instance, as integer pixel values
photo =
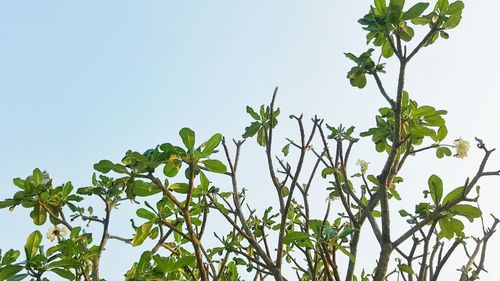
(404, 213)
(145, 214)
(144, 261)
(37, 176)
(261, 137)
(452, 22)
(188, 138)
(184, 261)
(104, 166)
(141, 233)
(18, 182)
(66, 263)
(447, 230)
(211, 144)
(179, 187)
(442, 5)
(453, 195)
(381, 6)
(154, 233)
(32, 244)
(10, 256)
(172, 167)
(18, 277)
(468, 211)
(327, 171)
(286, 149)
(405, 268)
(442, 133)
(204, 181)
(252, 113)
(458, 226)
(39, 215)
(141, 188)
(294, 237)
(455, 8)
(9, 271)
(215, 166)
(66, 274)
(344, 250)
(387, 50)
(435, 188)
(442, 151)
(415, 11)
(251, 130)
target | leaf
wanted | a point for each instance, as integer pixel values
(172, 167)
(141, 188)
(295, 236)
(455, 8)
(211, 144)
(381, 6)
(66, 274)
(435, 188)
(204, 181)
(468, 211)
(405, 268)
(215, 166)
(37, 176)
(344, 250)
(453, 195)
(141, 233)
(327, 171)
(66, 263)
(442, 151)
(104, 166)
(261, 137)
(9, 271)
(286, 149)
(404, 213)
(387, 50)
(452, 22)
(442, 5)
(39, 215)
(252, 113)
(145, 214)
(179, 187)
(251, 130)
(10, 256)
(32, 244)
(144, 262)
(184, 261)
(442, 133)
(446, 228)
(18, 182)
(188, 138)
(415, 11)
(18, 277)
(458, 226)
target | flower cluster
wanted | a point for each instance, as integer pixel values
(462, 147)
(363, 165)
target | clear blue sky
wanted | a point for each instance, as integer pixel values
(82, 81)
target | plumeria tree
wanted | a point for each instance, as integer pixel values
(179, 188)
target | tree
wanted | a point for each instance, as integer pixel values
(174, 189)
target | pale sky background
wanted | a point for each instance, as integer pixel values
(82, 81)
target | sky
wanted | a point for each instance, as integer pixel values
(82, 81)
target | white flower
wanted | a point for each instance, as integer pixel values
(462, 147)
(56, 232)
(363, 165)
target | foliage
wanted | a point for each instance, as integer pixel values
(172, 186)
